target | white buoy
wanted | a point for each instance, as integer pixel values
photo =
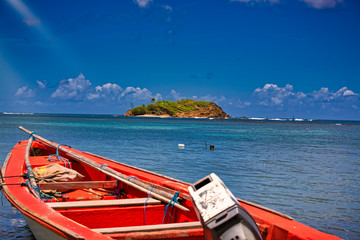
(180, 145)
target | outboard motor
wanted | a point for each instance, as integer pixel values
(220, 214)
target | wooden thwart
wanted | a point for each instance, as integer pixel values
(145, 228)
(77, 185)
(103, 203)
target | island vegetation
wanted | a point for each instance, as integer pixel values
(181, 108)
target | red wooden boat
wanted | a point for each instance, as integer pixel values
(113, 200)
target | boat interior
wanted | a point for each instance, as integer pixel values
(109, 206)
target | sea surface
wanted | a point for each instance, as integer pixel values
(308, 169)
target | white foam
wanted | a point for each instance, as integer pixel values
(257, 118)
(9, 113)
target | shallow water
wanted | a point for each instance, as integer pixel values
(308, 170)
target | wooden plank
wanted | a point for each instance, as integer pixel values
(77, 185)
(145, 228)
(103, 203)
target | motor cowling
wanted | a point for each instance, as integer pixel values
(220, 213)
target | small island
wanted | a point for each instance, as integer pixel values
(185, 108)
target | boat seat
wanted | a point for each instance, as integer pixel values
(103, 203)
(77, 185)
(145, 228)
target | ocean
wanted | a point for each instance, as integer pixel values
(308, 169)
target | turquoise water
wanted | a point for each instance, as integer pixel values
(308, 170)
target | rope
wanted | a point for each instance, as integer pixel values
(58, 157)
(47, 197)
(146, 201)
(171, 203)
(33, 151)
(132, 177)
(21, 184)
(43, 196)
(29, 174)
(43, 178)
(102, 166)
(24, 176)
(34, 188)
(32, 135)
(117, 189)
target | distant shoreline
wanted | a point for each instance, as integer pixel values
(153, 115)
(299, 120)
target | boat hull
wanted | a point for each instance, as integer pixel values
(40, 232)
(86, 215)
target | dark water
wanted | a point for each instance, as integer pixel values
(308, 170)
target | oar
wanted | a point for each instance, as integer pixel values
(104, 169)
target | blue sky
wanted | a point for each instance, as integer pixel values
(255, 58)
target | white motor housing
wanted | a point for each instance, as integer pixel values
(220, 213)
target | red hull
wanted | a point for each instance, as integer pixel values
(124, 221)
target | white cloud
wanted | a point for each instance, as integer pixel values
(41, 84)
(221, 101)
(325, 95)
(176, 96)
(168, 8)
(41, 103)
(92, 96)
(109, 91)
(211, 98)
(273, 100)
(131, 94)
(25, 92)
(344, 91)
(108, 95)
(321, 4)
(142, 3)
(71, 88)
(271, 94)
